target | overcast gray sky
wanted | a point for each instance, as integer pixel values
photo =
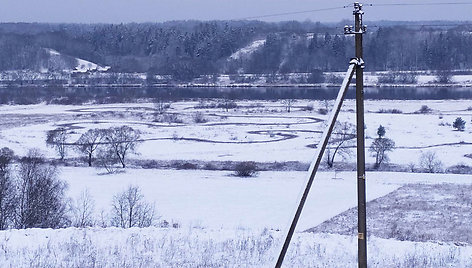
(117, 11)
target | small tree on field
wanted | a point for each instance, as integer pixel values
(381, 131)
(160, 105)
(131, 210)
(459, 124)
(41, 195)
(7, 189)
(88, 143)
(430, 162)
(57, 139)
(288, 103)
(380, 146)
(340, 141)
(121, 141)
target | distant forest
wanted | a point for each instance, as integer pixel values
(187, 49)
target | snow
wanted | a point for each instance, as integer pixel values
(85, 66)
(82, 65)
(245, 51)
(53, 52)
(220, 213)
(216, 199)
(256, 133)
(155, 247)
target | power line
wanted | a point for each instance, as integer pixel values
(419, 25)
(293, 13)
(420, 4)
(342, 7)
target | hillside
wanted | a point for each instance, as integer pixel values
(188, 49)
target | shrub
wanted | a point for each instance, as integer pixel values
(430, 163)
(389, 111)
(185, 165)
(444, 77)
(424, 110)
(460, 169)
(130, 209)
(169, 118)
(210, 166)
(246, 169)
(308, 107)
(198, 117)
(227, 104)
(400, 78)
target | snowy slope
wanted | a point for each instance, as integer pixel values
(82, 65)
(248, 50)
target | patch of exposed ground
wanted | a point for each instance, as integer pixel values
(414, 212)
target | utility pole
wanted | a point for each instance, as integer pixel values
(359, 30)
(355, 65)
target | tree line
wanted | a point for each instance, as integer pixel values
(187, 49)
(32, 195)
(108, 146)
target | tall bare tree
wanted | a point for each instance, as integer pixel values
(88, 143)
(288, 103)
(41, 195)
(340, 142)
(121, 141)
(57, 138)
(7, 189)
(83, 209)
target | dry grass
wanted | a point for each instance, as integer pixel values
(415, 212)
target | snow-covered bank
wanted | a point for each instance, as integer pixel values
(89, 75)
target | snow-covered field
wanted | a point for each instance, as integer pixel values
(255, 131)
(239, 224)
(227, 221)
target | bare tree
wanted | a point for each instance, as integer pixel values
(83, 209)
(340, 142)
(430, 162)
(121, 141)
(41, 195)
(88, 143)
(7, 189)
(131, 210)
(288, 103)
(57, 139)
